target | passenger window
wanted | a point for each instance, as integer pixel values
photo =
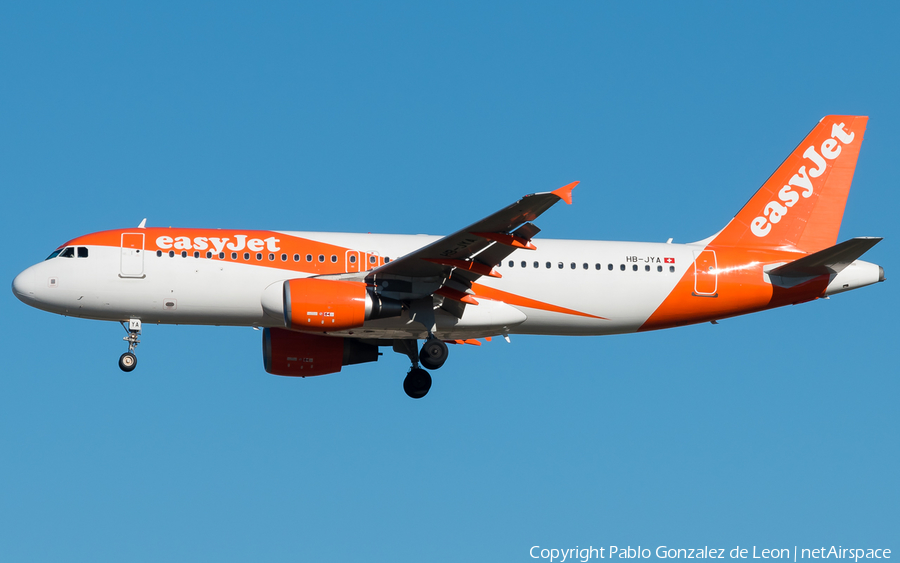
(537, 264)
(309, 257)
(572, 265)
(672, 269)
(259, 256)
(159, 252)
(284, 257)
(68, 252)
(511, 263)
(271, 256)
(296, 257)
(184, 253)
(585, 266)
(548, 265)
(209, 254)
(171, 253)
(353, 258)
(321, 257)
(646, 268)
(221, 256)
(386, 259)
(634, 268)
(597, 266)
(560, 265)
(234, 255)
(82, 252)
(524, 264)
(196, 254)
(622, 267)
(246, 256)
(334, 259)
(372, 260)
(659, 268)
(610, 267)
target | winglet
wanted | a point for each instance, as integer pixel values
(565, 193)
(143, 223)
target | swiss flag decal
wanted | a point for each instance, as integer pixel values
(670, 260)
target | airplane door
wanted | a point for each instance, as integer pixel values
(132, 257)
(352, 261)
(706, 274)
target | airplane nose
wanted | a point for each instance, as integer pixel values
(23, 286)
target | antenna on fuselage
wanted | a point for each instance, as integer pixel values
(143, 223)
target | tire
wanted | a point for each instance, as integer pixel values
(434, 353)
(417, 383)
(127, 362)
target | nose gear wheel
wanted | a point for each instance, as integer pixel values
(127, 361)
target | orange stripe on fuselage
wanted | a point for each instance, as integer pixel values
(741, 289)
(517, 300)
(217, 240)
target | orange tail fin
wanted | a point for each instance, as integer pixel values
(801, 205)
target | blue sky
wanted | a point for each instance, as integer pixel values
(775, 429)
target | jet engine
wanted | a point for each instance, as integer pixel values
(317, 305)
(302, 355)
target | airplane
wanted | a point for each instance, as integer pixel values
(327, 300)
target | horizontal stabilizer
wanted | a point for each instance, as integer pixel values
(829, 261)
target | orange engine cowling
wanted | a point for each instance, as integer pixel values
(302, 355)
(319, 305)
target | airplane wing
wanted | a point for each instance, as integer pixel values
(447, 267)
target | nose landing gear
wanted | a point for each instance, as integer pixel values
(128, 360)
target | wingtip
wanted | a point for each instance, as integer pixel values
(565, 193)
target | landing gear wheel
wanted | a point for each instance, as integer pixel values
(417, 383)
(434, 353)
(127, 361)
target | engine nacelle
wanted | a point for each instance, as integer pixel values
(312, 304)
(302, 355)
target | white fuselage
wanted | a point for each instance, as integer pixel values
(209, 291)
(565, 287)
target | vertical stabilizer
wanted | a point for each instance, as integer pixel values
(801, 205)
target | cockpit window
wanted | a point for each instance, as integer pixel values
(54, 254)
(82, 252)
(68, 252)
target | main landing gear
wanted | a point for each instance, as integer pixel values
(417, 382)
(433, 355)
(128, 361)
